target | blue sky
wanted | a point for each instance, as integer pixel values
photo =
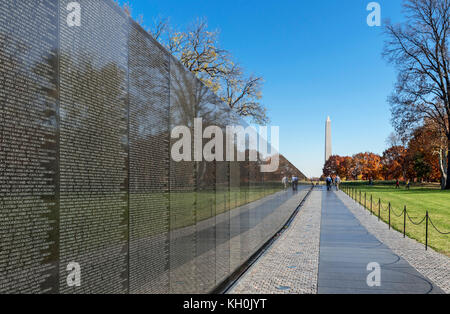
(318, 58)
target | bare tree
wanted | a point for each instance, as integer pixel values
(126, 7)
(161, 26)
(419, 50)
(243, 94)
(198, 49)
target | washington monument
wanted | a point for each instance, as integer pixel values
(328, 149)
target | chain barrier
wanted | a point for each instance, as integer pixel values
(414, 223)
(353, 193)
(401, 214)
(435, 228)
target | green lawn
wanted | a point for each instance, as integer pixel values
(417, 200)
(212, 203)
(190, 207)
(153, 213)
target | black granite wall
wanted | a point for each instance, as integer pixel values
(85, 170)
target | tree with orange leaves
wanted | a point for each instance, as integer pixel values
(423, 152)
(331, 166)
(393, 163)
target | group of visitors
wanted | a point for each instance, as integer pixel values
(336, 181)
(293, 181)
(397, 184)
(331, 181)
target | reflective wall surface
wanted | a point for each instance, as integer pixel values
(85, 170)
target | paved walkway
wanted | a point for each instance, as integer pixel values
(346, 250)
(430, 264)
(291, 263)
(328, 248)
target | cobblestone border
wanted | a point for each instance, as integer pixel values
(433, 265)
(291, 264)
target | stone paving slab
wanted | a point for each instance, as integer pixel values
(290, 265)
(430, 264)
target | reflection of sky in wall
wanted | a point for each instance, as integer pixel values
(318, 58)
(90, 25)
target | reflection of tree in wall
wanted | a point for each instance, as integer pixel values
(183, 102)
(191, 99)
(94, 141)
(28, 81)
(28, 100)
(91, 98)
(149, 113)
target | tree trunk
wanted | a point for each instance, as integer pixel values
(447, 185)
(443, 166)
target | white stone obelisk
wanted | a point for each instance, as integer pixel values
(328, 147)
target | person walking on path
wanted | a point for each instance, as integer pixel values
(329, 181)
(294, 183)
(285, 182)
(397, 184)
(337, 182)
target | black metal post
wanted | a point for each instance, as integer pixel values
(389, 215)
(365, 197)
(379, 209)
(404, 222)
(426, 234)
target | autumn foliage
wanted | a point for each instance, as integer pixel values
(418, 161)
